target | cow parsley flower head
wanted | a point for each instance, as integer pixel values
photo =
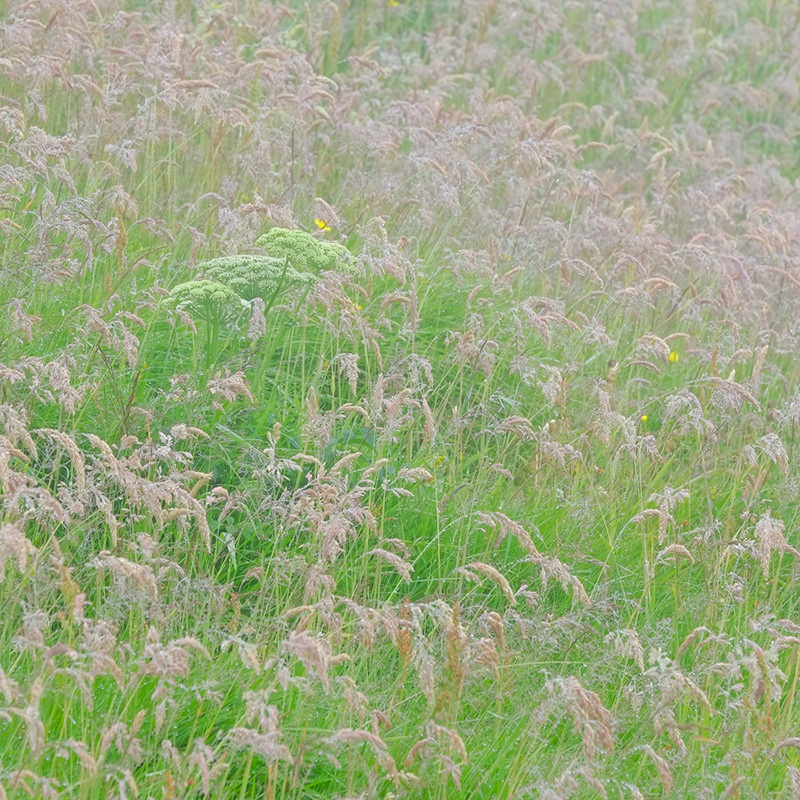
(208, 300)
(252, 276)
(305, 252)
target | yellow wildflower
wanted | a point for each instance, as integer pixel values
(321, 224)
(644, 417)
(673, 357)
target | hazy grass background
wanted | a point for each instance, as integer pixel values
(577, 309)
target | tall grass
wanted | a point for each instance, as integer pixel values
(502, 503)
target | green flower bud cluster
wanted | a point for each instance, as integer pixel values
(226, 285)
(209, 300)
(305, 252)
(254, 276)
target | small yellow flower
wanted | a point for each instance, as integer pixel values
(322, 225)
(673, 357)
(644, 417)
(393, 3)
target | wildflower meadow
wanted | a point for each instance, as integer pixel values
(399, 399)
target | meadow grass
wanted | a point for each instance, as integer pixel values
(497, 498)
